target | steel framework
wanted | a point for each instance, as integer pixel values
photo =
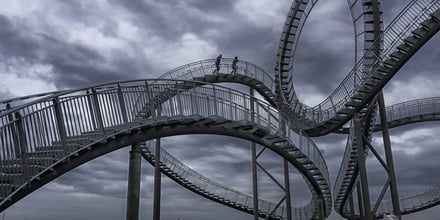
(44, 136)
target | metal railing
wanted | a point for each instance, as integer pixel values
(399, 29)
(413, 108)
(96, 112)
(393, 36)
(202, 68)
(413, 203)
(405, 110)
(408, 204)
(213, 189)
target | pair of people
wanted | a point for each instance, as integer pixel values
(217, 64)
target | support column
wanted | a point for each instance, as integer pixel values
(287, 190)
(352, 212)
(254, 180)
(360, 203)
(362, 169)
(321, 208)
(389, 156)
(157, 182)
(134, 183)
(254, 161)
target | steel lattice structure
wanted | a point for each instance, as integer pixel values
(44, 136)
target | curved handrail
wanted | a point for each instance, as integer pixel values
(76, 113)
(202, 68)
(414, 111)
(23, 99)
(413, 203)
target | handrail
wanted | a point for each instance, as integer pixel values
(95, 110)
(214, 189)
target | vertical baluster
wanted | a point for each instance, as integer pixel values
(98, 115)
(122, 105)
(60, 124)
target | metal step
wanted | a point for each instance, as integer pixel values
(411, 40)
(397, 55)
(404, 47)
(420, 31)
(429, 23)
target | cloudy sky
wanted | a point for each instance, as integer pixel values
(48, 45)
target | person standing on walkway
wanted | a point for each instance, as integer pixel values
(217, 64)
(234, 65)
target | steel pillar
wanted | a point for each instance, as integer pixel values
(254, 161)
(321, 207)
(157, 182)
(362, 169)
(134, 182)
(389, 156)
(360, 203)
(351, 203)
(287, 190)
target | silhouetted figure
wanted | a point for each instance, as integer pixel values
(234, 65)
(217, 63)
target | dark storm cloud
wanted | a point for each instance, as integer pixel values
(170, 18)
(15, 43)
(74, 65)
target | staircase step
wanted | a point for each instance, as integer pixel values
(436, 16)
(390, 62)
(420, 31)
(384, 69)
(411, 40)
(404, 47)
(377, 75)
(429, 23)
(397, 55)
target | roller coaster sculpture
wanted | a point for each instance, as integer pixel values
(46, 135)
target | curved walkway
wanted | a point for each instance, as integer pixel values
(203, 186)
(45, 138)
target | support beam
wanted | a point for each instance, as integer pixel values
(134, 182)
(351, 203)
(362, 169)
(321, 207)
(254, 180)
(157, 182)
(389, 156)
(254, 162)
(271, 176)
(360, 203)
(287, 190)
(274, 209)
(381, 195)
